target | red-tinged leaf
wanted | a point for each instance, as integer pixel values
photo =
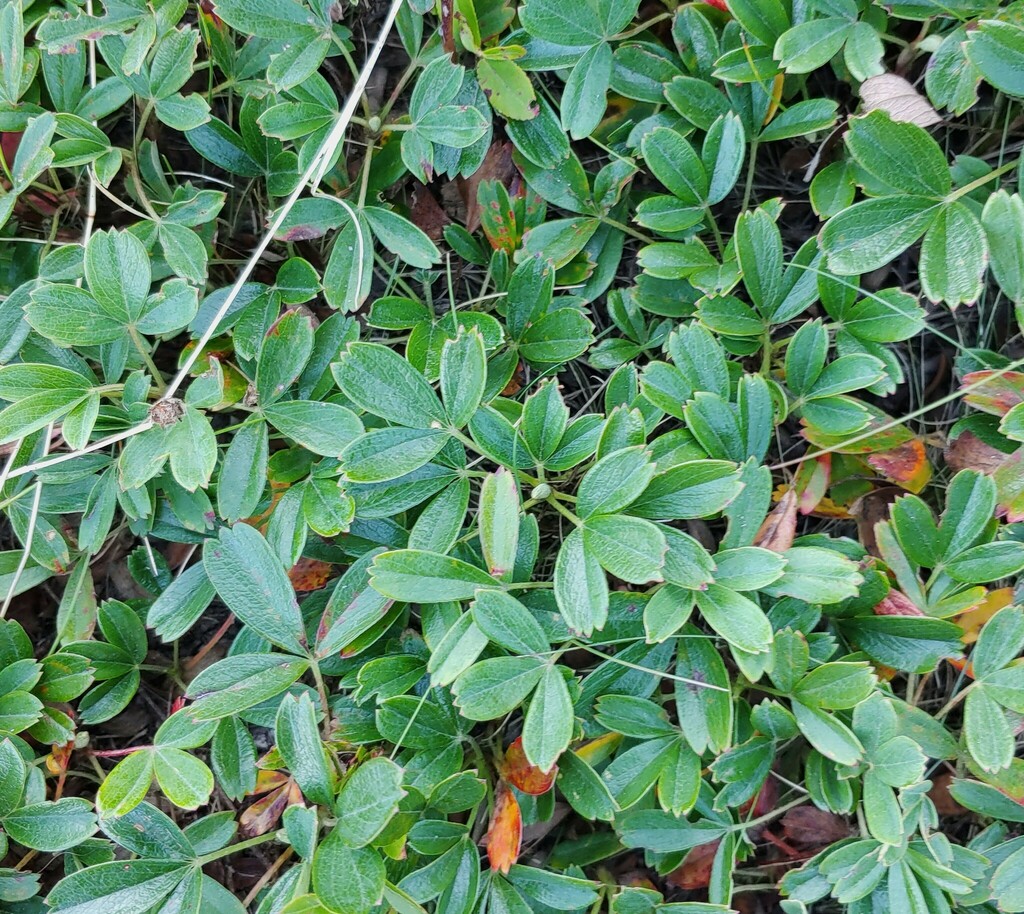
(522, 775)
(809, 826)
(812, 479)
(779, 528)
(718, 5)
(505, 833)
(1009, 479)
(897, 603)
(993, 391)
(877, 436)
(309, 574)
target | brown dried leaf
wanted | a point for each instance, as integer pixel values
(968, 452)
(779, 528)
(505, 833)
(695, 870)
(809, 826)
(899, 99)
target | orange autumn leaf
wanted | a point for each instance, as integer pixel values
(518, 771)
(994, 392)
(974, 618)
(779, 528)
(309, 574)
(505, 833)
(906, 464)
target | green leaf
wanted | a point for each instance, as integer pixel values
(183, 779)
(127, 785)
(759, 250)
(368, 801)
(463, 376)
(1003, 220)
(298, 741)
(497, 686)
(899, 154)
(498, 523)
(736, 618)
(577, 22)
(549, 722)
(506, 622)
(378, 380)
(675, 163)
(389, 453)
(52, 826)
(581, 588)
(614, 482)
(250, 579)
(13, 774)
(239, 682)
(584, 98)
(584, 789)
(826, 733)
(996, 49)
(987, 733)
(118, 272)
(71, 317)
(401, 237)
(347, 880)
(835, 686)
(871, 233)
(243, 472)
(507, 88)
(1000, 641)
(426, 577)
(664, 832)
(128, 886)
(954, 255)
(323, 428)
(817, 575)
(286, 349)
(810, 45)
(629, 548)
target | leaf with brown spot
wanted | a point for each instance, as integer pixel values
(516, 769)
(505, 833)
(309, 574)
(779, 528)
(869, 510)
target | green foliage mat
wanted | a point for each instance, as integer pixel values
(579, 471)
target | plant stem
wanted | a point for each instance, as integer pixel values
(235, 848)
(140, 345)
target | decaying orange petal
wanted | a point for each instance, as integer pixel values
(522, 775)
(505, 834)
(779, 527)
